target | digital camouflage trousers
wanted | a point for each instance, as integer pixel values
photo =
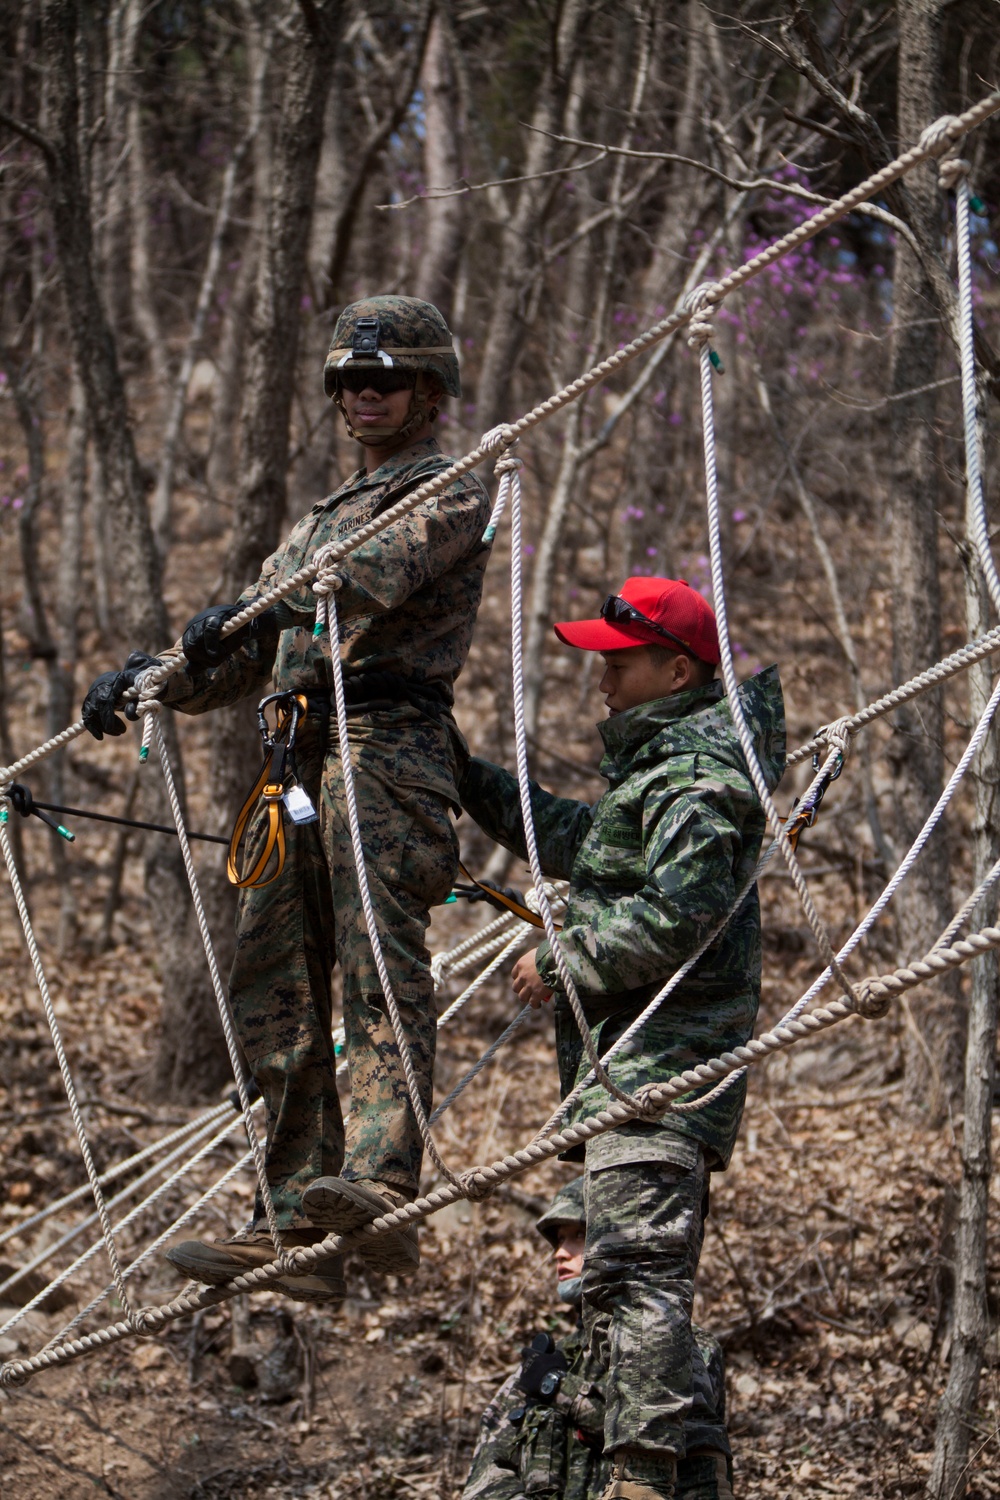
(292, 931)
(646, 1194)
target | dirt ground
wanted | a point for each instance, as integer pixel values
(826, 1268)
(825, 1273)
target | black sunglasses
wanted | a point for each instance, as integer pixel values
(380, 380)
(618, 611)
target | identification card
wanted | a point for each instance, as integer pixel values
(298, 805)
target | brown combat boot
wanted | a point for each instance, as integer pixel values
(338, 1206)
(625, 1486)
(222, 1260)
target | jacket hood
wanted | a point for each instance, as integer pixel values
(699, 722)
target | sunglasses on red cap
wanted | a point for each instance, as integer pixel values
(618, 611)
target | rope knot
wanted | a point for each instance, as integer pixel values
(147, 1322)
(476, 1184)
(871, 999)
(649, 1106)
(701, 304)
(509, 465)
(498, 438)
(837, 735)
(12, 1375)
(951, 171)
(325, 583)
(938, 136)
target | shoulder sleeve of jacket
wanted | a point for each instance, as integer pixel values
(490, 795)
(432, 540)
(693, 818)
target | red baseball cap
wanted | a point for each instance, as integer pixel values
(649, 612)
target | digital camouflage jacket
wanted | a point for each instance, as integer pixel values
(408, 600)
(544, 1449)
(653, 866)
(555, 1449)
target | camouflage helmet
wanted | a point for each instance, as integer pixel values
(565, 1208)
(393, 331)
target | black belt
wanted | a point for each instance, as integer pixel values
(368, 692)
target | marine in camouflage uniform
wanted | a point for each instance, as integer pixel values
(406, 606)
(555, 1447)
(653, 866)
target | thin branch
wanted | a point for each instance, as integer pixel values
(433, 194)
(843, 399)
(29, 133)
(817, 128)
(793, 189)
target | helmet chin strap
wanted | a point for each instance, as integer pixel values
(418, 414)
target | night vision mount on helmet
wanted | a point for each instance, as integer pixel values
(401, 333)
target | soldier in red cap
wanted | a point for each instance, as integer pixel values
(654, 868)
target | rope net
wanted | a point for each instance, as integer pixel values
(180, 1154)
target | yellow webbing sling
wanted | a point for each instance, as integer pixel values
(270, 785)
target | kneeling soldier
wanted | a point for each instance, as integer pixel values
(543, 1432)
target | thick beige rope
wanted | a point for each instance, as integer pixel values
(935, 141)
(874, 992)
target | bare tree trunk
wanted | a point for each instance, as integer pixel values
(143, 615)
(65, 610)
(7, 751)
(110, 171)
(444, 218)
(141, 258)
(367, 158)
(518, 250)
(163, 495)
(221, 471)
(933, 1056)
(956, 1413)
(185, 1045)
(841, 627)
(585, 291)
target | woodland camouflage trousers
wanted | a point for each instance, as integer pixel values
(645, 1227)
(290, 933)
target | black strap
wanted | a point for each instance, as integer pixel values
(366, 692)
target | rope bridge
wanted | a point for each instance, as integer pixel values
(501, 938)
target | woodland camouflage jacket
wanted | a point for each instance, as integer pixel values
(408, 601)
(653, 866)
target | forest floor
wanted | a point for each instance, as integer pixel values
(826, 1269)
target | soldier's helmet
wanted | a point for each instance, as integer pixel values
(393, 332)
(565, 1208)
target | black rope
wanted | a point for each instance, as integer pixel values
(23, 802)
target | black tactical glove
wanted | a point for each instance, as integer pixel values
(542, 1367)
(106, 693)
(203, 641)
